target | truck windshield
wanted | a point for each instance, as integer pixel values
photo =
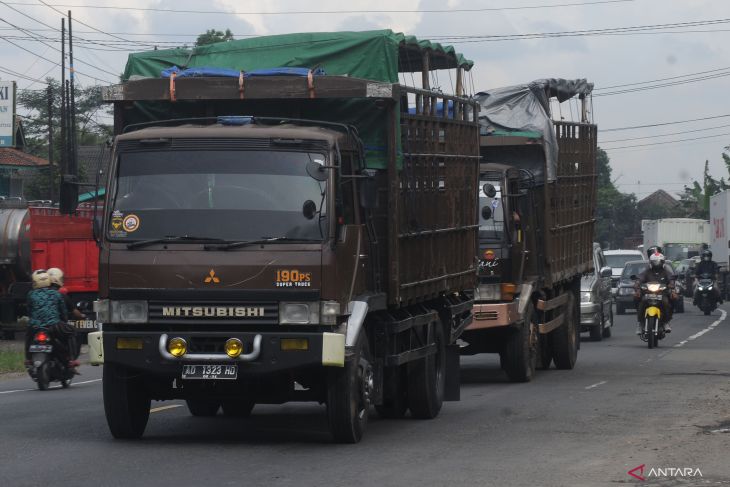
(491, 228)
(225, 195)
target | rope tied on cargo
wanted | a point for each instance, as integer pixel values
(310, 83)
(173, 96)
(241, 77)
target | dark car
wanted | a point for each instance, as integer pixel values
(625, 292)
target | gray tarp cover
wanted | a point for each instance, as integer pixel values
(526, 108)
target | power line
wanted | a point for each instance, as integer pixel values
(669, 141)
(327, 12)
(664, 123)
(663, 135)
(660, 79)
(663, 85)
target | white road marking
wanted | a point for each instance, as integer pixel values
(721, 430)
(16, 390)
(596, 385)
(163, 408)
(723, 315)
(85, 382)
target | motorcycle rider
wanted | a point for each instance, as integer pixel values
(656, 272)
(47, 310)
(707, 266)
(72, 311)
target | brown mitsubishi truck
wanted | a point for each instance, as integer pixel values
(261, 259)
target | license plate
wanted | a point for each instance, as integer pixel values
(653, 297)
(210, 372)
(40, 348)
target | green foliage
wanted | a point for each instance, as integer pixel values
(616, 212)
(212, 36)
(695, 200)
(88, 103)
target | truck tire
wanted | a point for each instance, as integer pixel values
(203, 407)
(427, 378)
(564, 339)
(545, 355)
(349, 390)
(395, 393)
(521, 349)
(126, 402)
(239, 407)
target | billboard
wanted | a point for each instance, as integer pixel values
(7, 113)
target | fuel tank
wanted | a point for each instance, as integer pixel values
(15, 252)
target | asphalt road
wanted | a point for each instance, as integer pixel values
(623, 406)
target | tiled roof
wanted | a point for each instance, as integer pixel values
(15, 157)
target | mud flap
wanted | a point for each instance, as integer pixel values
(453, 374)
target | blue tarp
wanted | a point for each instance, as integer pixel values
(232, 73)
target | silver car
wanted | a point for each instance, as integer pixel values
(596, 299)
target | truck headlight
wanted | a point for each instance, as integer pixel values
(586, 297)
(128, 311)
(489, 292)
(329, 311)
(298, 313)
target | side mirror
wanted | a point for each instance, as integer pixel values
(309, 209)
(69, 195)
(368, 190)
(605, 272)
(96, 229)
(486, 212)
(489, 190)
(316, 171)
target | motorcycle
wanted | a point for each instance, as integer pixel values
(653, 293)
(706, 297)
(45, 364)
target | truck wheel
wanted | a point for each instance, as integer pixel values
(427, 378)
(349, 390)
(126, 402)
(564, 339)
(521, 349)
(203, 407)
(237, 407)
(545, 352)
(395, 393)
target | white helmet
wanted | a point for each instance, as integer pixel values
(657, 261)
(56, 276)
(40, 279)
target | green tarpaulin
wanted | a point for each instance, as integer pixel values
(377, 55)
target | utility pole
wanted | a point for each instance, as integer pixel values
(51, 168)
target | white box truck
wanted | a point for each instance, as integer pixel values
(680, 238)
(719, 215)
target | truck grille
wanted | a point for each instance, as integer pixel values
(214, 312)
(486, 315)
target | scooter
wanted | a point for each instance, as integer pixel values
(706, 298)
(652, 294)
(45, 366)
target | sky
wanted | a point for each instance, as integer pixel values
(606, 60)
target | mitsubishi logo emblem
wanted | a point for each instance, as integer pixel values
(212, 278)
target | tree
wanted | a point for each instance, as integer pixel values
(212, 36)
(88, 103)
(695, 200)
(616, 213)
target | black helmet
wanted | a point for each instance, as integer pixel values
(707, 254)
(654, 249)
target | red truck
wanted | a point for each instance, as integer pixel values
(38, 236)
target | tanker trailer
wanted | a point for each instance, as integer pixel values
(34, 236)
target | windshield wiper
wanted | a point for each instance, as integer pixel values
(263, 240)
(173, 238)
